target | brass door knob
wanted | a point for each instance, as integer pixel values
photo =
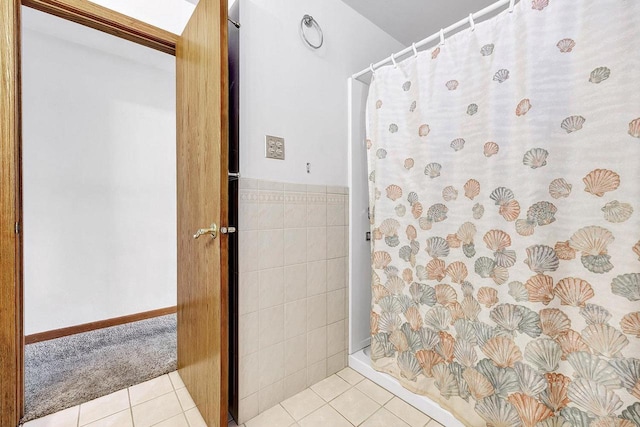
(213, 231)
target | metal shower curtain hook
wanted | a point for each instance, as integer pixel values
(393, 61)
(441, 36)
(512, 4)
(471, 23)
(415, 50)
(373, 70)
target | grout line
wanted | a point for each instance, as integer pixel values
(289, 413)
(371, 416)
(129, 395)
(340, 413)
(171, 381)
(350, 387)
(106, 416)
(180, 401)
(157, 397)
(309, 388)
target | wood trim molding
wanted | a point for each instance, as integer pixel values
(11, 366)
(101, 18)
(100, 324)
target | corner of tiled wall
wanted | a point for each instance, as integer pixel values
(293, 248)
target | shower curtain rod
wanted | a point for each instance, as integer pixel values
(461, 23)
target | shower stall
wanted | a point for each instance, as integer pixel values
(493, 271)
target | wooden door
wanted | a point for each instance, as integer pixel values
(201, 63)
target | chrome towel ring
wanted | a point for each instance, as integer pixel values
(308, 21)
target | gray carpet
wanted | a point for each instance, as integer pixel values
(67, 371)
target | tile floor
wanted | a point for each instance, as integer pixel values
(344, 399)
(160, 402)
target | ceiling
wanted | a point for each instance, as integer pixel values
(82, 37)
(410, 21)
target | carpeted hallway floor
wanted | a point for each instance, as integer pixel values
(67, 371)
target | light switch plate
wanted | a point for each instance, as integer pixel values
(274, 147)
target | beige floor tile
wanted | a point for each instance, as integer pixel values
(176, 380)
(274, 417)
(374, 391)
(406, 412)
(185, 399)
(177, 421)
(104, 406)
(66, 418)
(355, 406)
(326, 416)
(302, 404)
(354, 400)
(350, 376)
(331, 387)
(195, 418)
(156, 410)
(384, 418)
(151, 389)
(121, 419)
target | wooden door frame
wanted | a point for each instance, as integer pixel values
(11, 340)
(11, 275)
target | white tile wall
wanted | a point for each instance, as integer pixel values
(292, 289)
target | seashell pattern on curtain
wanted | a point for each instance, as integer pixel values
(504, 170)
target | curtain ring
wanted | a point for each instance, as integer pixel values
(373, 71)
(441, 36)
(471, 23)
(512, 4)
(415, 50)
(393, 61)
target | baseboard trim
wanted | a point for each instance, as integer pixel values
(100, 324)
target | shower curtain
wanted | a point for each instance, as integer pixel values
(504, 190)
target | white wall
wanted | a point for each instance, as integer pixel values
(99, 175)
(290, 90)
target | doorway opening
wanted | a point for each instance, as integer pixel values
(202, 194)
(99, 209)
